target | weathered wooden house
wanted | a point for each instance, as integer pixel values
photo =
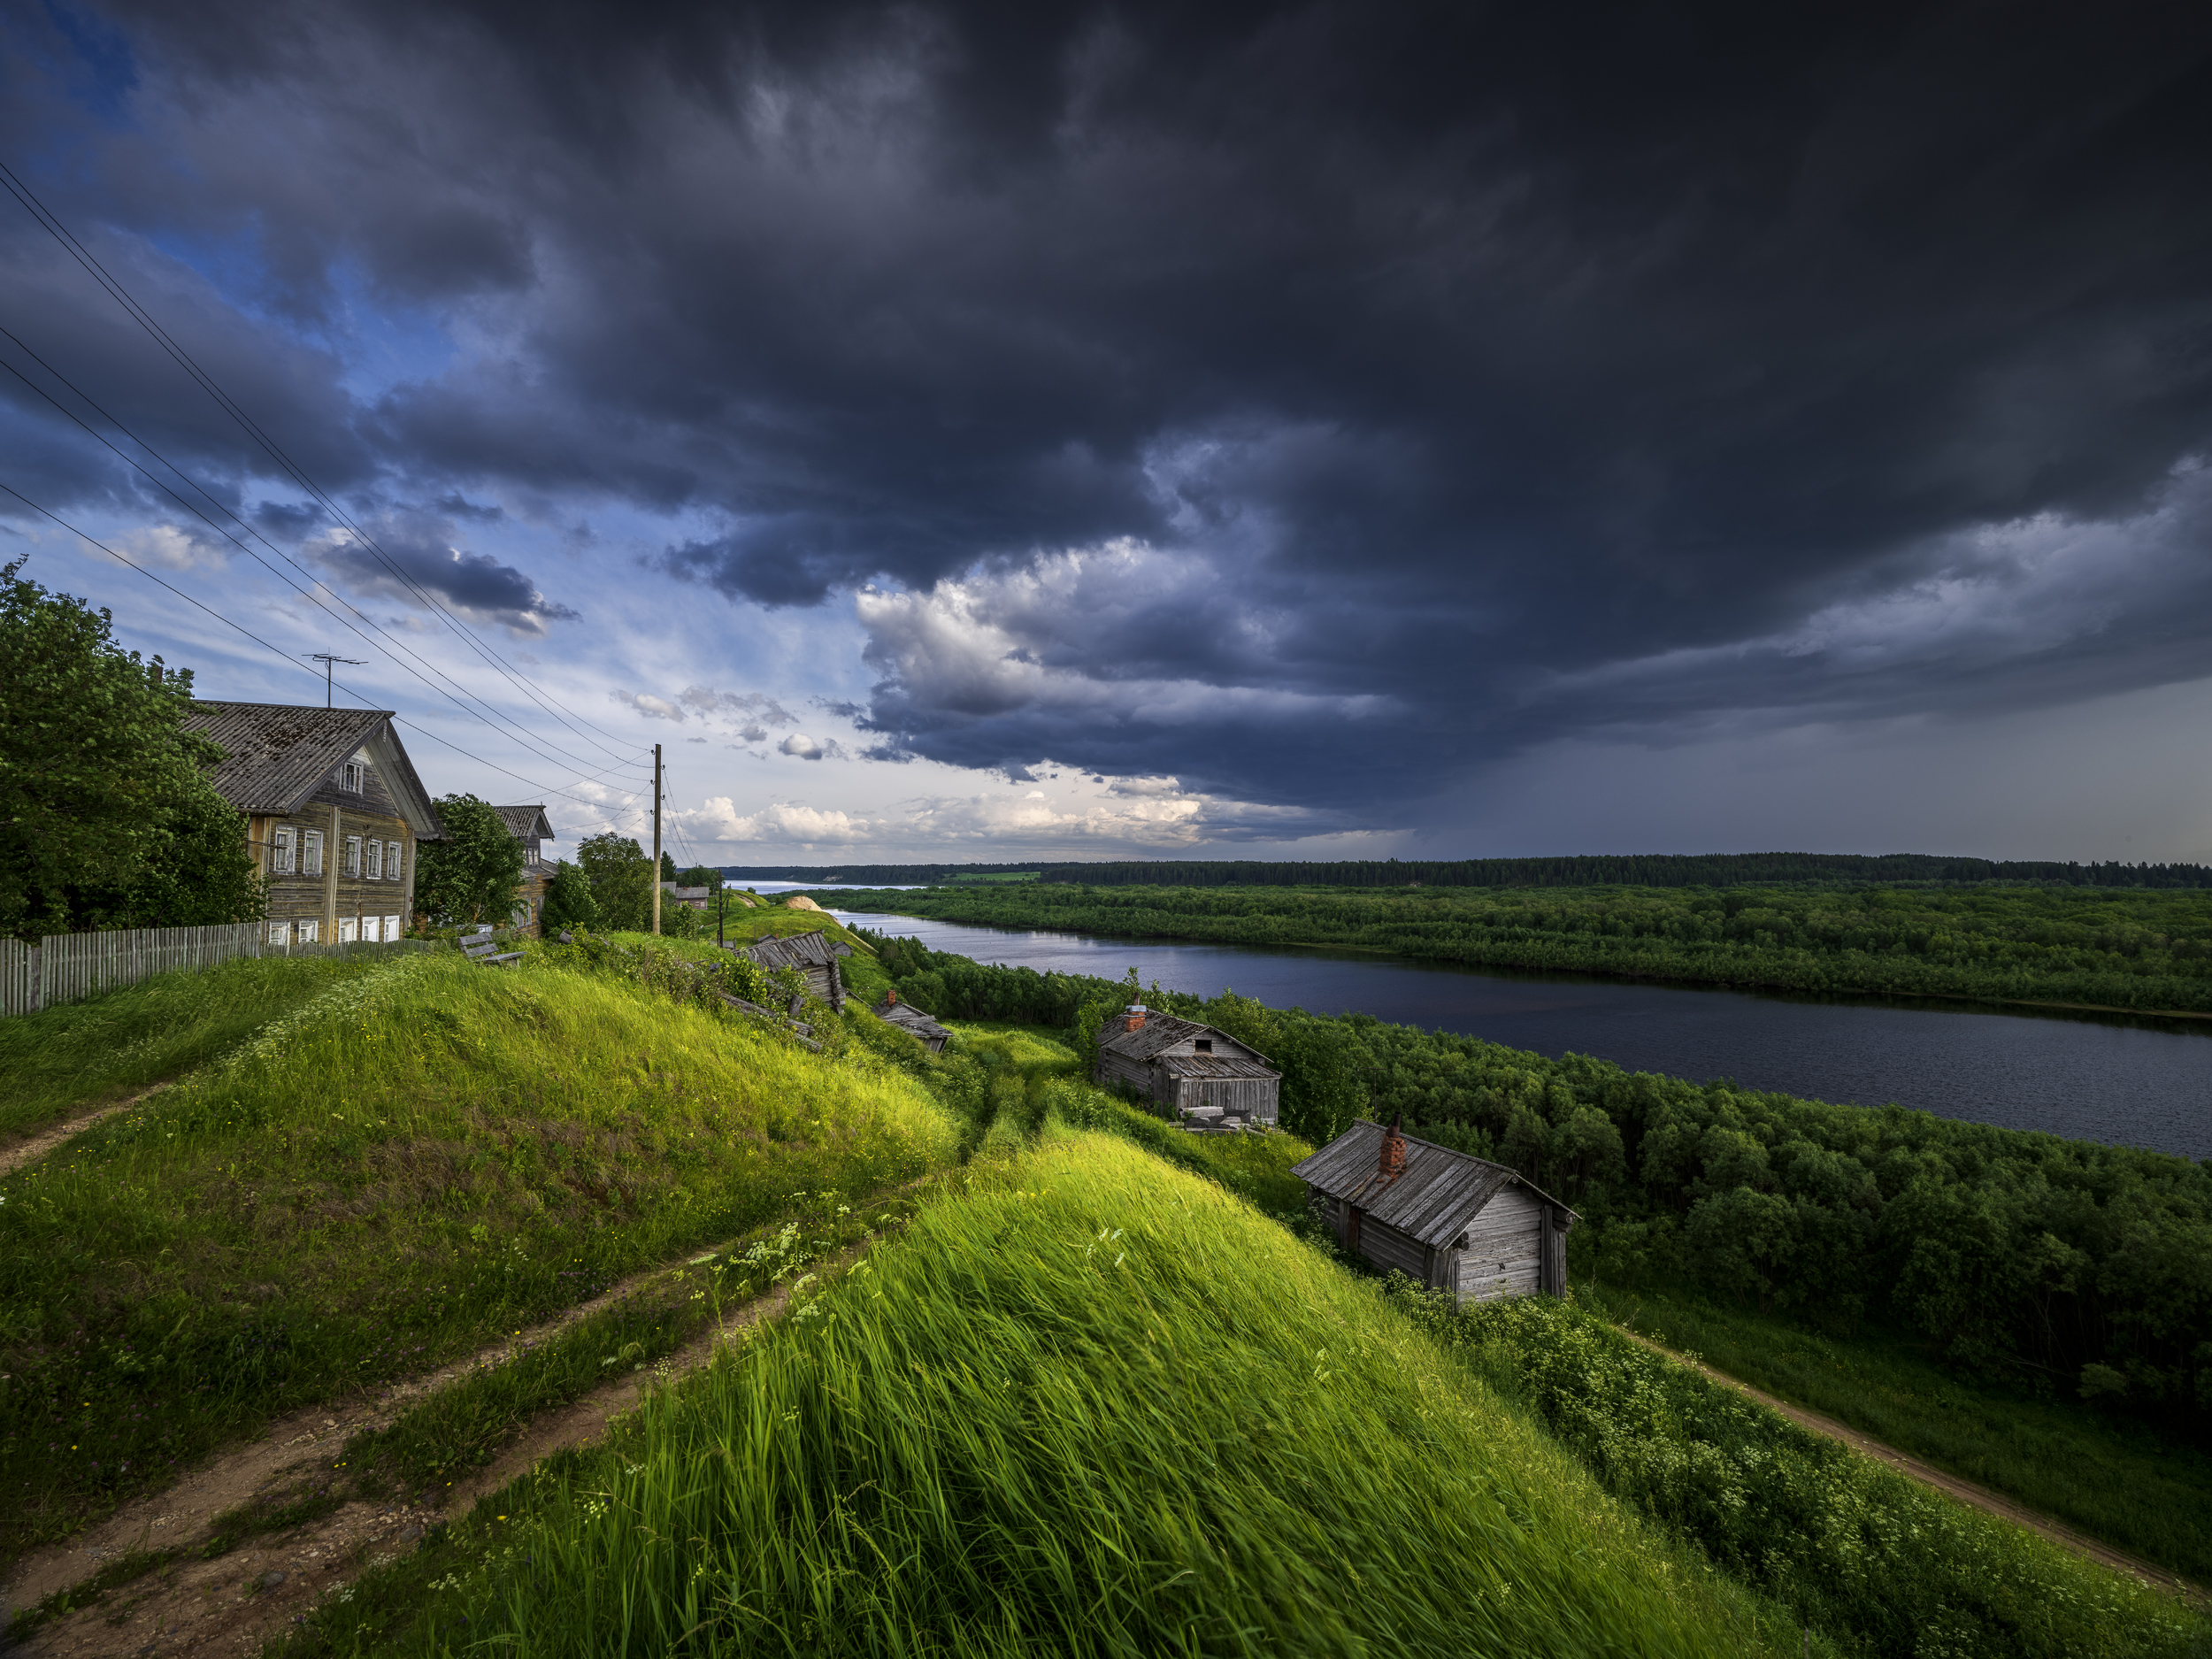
(908, 1018)
(334, 812)
(1203, 1078)
(1445, 1219)
(529, 825)
(813, 954)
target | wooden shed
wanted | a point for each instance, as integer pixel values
(812, 954)
(529, 825)
(1204, 1079)
(908, 1018)
(1445, 1219)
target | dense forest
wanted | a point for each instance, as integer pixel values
(1653, 870)
(2090, 945)
(2018, 1257)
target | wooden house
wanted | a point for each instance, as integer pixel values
(1203, 1078)
(911, 1019)
(333, 812)
(1445, 1219)
(813, 954)
(690, 898)
(529, 825)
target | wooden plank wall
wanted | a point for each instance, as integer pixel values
(1504, 1251)
(1388, 1248)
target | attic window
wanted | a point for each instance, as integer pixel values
(1204, 1045)
(351, 771)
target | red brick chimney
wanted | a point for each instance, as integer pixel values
(1134, 1015)
(889, 997)
(1391, 1161)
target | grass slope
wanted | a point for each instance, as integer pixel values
(415, 1160)
(2117, 1480)
(84, 1054)
(1091, 1406)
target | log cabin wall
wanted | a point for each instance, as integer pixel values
(342, 866)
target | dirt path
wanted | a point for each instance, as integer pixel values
(243, 1599)
(1967, 1492)
(45, 1141)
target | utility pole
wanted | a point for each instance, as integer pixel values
(326, 660)
(656, 838)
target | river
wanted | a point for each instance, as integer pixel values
(2123, 1082)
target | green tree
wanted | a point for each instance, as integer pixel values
(701, 876)
(668, 866)
(107, 818)
(569, 903)
(475, 873)
(621, 878)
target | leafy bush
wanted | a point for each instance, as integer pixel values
(1877, 1562)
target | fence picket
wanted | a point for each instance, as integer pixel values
(70, 967)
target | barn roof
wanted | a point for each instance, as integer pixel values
(1439, 1191)
(800, 951)
(912, 1017)
(1203, 1065)
(1161, 1031)
(276, 756)
(527, 822)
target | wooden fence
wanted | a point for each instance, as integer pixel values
(69, 967)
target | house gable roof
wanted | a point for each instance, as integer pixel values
(527, 822)
(1163, 1031)
(910, 1017)
(1438, 1194)
(798, 950)
(275, 755)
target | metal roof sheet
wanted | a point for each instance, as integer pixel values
(1212, 1065)
(1438, 1194)
(275, 755)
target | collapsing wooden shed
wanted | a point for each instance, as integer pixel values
(812, 954)
(911, 1019)
(1447, 1220)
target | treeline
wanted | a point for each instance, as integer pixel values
(2019, 1257)
(878, 875)
(1648, 870)
(2094, 946)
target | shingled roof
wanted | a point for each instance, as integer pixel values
(277, 755)
(526, 823)
(1439, 1193)
(1158, 1032)
(800, 951)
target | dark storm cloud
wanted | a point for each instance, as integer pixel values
(410, 557)
(1417, 382)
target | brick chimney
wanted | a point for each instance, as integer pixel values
(889, 997)
(1391, 1163)
(1133, 1016)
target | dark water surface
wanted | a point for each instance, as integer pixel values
(2127, 1082)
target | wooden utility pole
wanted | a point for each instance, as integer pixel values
(656, 838)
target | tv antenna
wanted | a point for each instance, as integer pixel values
(328, 662)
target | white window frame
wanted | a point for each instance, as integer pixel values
(348, 930)
(283, 852)
(310, 933)
(353, 857)
(374, 871)
(312, 853)
(350, 776)
(281, 933)
(395, 861)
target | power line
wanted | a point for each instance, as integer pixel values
(288, 658)
(52, 224)
(313, 592)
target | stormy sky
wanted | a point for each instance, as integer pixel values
(1028, 431)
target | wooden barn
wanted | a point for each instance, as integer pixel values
(1445, 1219)
(908, 1018)
(812, 954)
(1203, 1078)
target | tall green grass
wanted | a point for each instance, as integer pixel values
(84, 1054)
(416, 1162)
(1091, 1406)
(1877, 1562)
(2113, 1476)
